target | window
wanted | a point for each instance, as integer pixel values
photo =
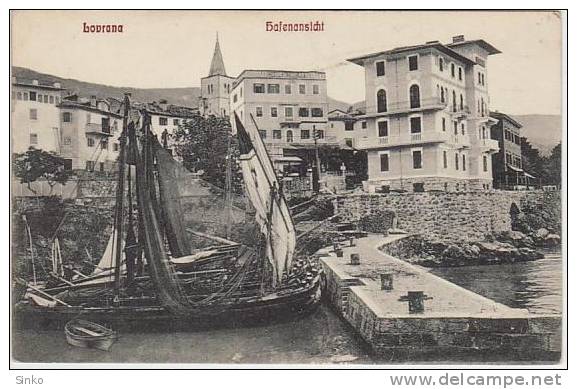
(456, 161)
(287, 89)
(262, 134)
(273, 112)
(441, 64)
(454, 101)
(258, 111)
(67, 164)
(302, 89)
(484, 163)
(413, 62)
(162, 121)
(444, 123)
(349, 142)
(104, 145)
(40, 98)
(517, 140)
(33, 114)
(363, 125)
(234, 98)
(317, 112)
(288, 112)
(349, 126)
(415, 123)
(115, 147)
(90, 142)
(33, 95)
(33, 139)
(19, 95)
(273, 88)
(319, 134)
(453, 70)
(303, 112)
(460, 74)
(381, 101)
(462, 128)
(90, 166)
(101, 166)
(305, 134)
(461, 103)
(51, 99)
(442, 95)
(383, 127)
(57, 99)
(276, 134)
(25, 96)
(67, 140)
(479, 78)
(444, 159)
(46, 98)
(414, 96)
(289, 136)
(464, 163)
(315, 89)
(456, 128)
(384, 162)
(417, 159)
(66, 117)
(380, 68)
(258, 88)
(175, 122)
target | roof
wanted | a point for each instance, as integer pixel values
(280, 74)
(42, 84)
(178, 111)
(504, 116)
(217, 63)
(480, 42)
(399, 50)
(84, 104)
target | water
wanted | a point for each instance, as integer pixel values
(320, 338)
(536, 286)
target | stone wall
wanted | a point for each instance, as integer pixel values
(451, 216)
(445, 184)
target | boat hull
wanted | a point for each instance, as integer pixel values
(153, 317)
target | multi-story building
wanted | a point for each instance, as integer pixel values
(427, 116)
(90, 133)
(35, 115)
(215, 88)
(166, 118)
(289, 108)
(507, 164)
(347, 127)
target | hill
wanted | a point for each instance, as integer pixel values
(180, 96)
(542, 131)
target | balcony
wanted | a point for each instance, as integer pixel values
(326, 141)
(402, 140)
(490, 145)
(97, 129)
(460, 112)
(403, 107)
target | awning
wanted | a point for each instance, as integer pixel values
(287, 159)
(514, 168)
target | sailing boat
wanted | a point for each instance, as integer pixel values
(151, 271)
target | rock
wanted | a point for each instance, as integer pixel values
(552, 240)
(516, 238)
(541, 233)
(453, 252)
(527, 254)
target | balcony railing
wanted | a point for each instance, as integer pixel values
(407, 106)
(308, 141)
(490, 144)
(98, 129)
(404, 139)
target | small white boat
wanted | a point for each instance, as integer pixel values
(82, 333)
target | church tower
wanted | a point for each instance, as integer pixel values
(216, 87)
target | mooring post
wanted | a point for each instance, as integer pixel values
(355, 259)
(416, 299)
(386, 281)
(352, 241)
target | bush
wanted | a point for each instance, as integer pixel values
(377, 222)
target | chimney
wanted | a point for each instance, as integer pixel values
(34, 82)
(93, 101)
(458, 38)
(163, 104)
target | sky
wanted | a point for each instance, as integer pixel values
(171, 49)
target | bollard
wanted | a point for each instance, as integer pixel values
(416, 299)
(335, 246)
(387, 281)
(355, 259)
(352, 242)
(339, 253)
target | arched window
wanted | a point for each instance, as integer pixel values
(381, 101)
(414, 96)
(464, 163)
(461, 104)
(442, 95)
(454, 101)
(289, 136)
(482, 107)
(453, 70)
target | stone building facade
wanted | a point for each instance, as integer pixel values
(427, 117)
(215, 88)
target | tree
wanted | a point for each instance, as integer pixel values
(37, 164)
(203, 145)
(553, 166)
(532, 160)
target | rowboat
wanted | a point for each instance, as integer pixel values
(83, 333)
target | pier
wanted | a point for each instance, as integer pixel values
(404, 312)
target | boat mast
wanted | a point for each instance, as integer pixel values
(228, 190)
(120, 196)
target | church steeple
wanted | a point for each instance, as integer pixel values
(217, 64)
